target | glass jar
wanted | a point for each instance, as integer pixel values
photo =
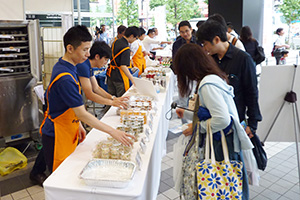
(111, 139)
(105, 150)
(135, 130)
(139, 104)
(140, 120)
(133, 134)
(97, 151)
(132, 104)
(120, 127)
(125, 155)
(127, 128)
(141, 129)
(127, 148)
(124, 119)
(163, 81)
(146, 105)
(114, 150)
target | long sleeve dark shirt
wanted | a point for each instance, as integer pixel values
(242, 76)
(177, 44)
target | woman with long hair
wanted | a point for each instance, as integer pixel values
(249, 42)
(193, 64)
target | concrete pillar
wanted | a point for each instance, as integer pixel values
(241, 13)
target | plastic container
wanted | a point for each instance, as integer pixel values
(10, 160)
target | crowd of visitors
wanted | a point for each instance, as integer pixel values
(215, 61)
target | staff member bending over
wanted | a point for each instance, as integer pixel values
(61, 129)
(118, 75)
(100, 52)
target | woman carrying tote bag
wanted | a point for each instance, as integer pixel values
(192, 64)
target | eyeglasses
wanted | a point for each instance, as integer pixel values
(186, 31)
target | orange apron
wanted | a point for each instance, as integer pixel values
(139, 60)
(66, 128)
(111, 67)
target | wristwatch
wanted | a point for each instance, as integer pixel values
(113, 97)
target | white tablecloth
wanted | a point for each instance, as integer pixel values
(64, 183)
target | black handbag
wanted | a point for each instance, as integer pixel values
(277, 52)
(259, 153)
(260, 55)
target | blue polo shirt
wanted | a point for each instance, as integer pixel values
(64, 94)
(85, 69)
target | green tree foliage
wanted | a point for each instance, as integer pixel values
(108, 6)
(128, 10)
(107, 20)
(103, 20)
(155, 3)
(178, 10)
(291, 11)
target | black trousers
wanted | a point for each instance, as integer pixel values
(277, 59)
(39, 166)
(48, 145)
(45, 156)
(115, 88)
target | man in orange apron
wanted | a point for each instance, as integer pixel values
(139, 52)
(118, 75)
(121, 31)
(61, 128)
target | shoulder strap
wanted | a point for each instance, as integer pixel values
(234, 40)
(46, 114)
(115, 56)
(197, 87)
(54, 80)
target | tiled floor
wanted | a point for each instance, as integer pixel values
(32, 193)
(278, 181)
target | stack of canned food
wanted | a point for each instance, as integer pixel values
(132, 122)
(155, 75)
(112, 149)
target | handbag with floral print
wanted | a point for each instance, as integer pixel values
(194, 152)
(191, 157)
(219, 180)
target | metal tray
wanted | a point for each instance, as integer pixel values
(108, 173)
